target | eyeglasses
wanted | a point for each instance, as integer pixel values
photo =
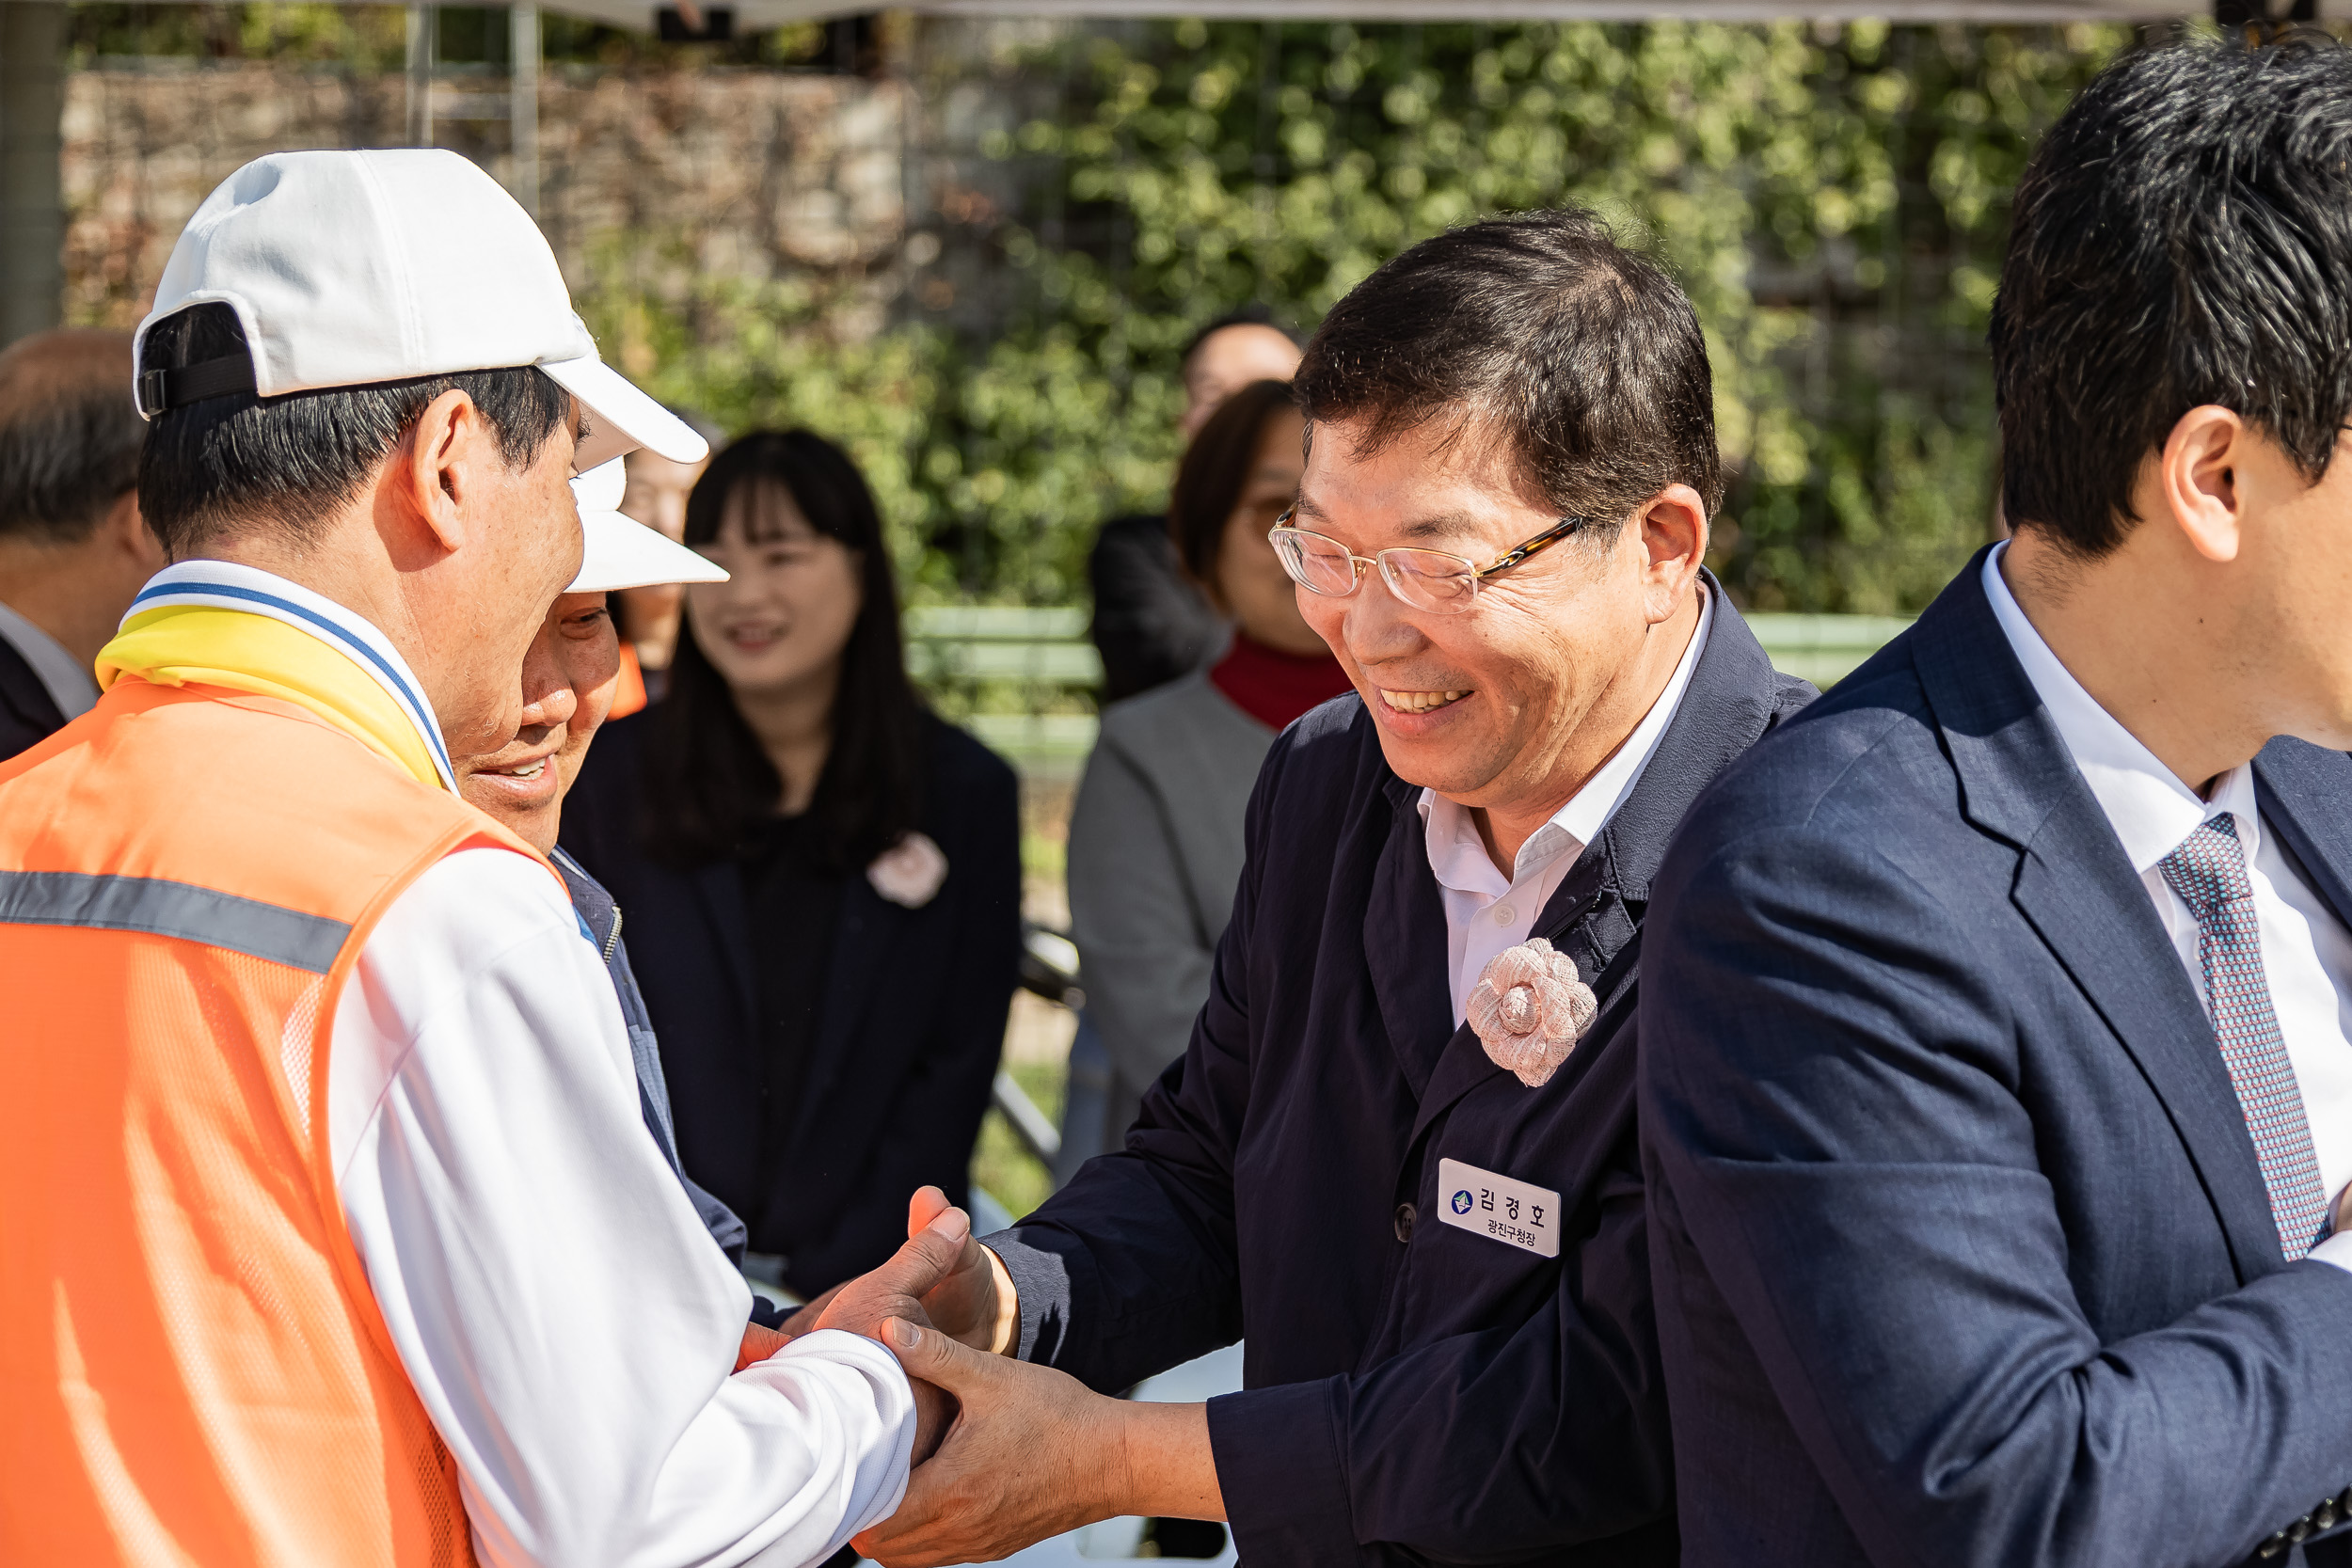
(1432, 580)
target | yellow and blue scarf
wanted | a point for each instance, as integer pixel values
(211, 623)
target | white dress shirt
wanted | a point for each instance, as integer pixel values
(1486, 911)
(67, 679)
(2306, 951)
(552, 1294)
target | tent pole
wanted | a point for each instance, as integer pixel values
(32, 201)
(522, 111)
(423, 24)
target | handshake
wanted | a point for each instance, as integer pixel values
(1005, 1453)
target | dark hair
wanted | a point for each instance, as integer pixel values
(1247, 315)
(1586, 357)
(1213, 473)
(69, 435)
(223, 463)
(2183, 236)
(708, 784)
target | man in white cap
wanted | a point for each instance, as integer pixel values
(333, 1233)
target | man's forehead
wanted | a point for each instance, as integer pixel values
(1416, 488)
(1398, 520)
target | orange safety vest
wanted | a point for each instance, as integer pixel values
(193, 1370)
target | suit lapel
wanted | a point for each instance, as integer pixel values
(1594, 916)
(2303, 794)
(2076, 888)
(1405, 944)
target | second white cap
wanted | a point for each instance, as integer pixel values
(621, 552)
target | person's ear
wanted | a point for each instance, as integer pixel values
(2197, 478)
(1671, 530)
(435, 468)
(128, 536)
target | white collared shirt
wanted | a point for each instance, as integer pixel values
(1486, 911)
(2306, 951)
(70, 685)
(558, 1305)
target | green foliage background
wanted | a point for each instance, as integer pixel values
(1832, 198)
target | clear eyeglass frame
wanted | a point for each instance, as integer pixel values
(1437, 581)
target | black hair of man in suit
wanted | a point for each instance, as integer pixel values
(72, 547)
(1539, 328)
(69, 436)
(2182, 238)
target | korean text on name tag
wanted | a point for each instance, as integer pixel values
(1516, 1213)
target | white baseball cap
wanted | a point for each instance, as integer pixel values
(351, 268)
(620, 551)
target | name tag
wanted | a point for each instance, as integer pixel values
(1516, 1213)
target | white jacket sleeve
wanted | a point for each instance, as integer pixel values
(560, 1308)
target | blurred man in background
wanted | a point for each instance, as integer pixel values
(72, 547)
(1151, 625)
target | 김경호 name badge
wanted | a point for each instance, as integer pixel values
(1516, 1213)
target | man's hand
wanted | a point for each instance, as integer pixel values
(976, 1302)
(893, 1292)
(920, 1212)
(1035, 1454)
(804, 1318)
(758, 1344)
(896, 1289)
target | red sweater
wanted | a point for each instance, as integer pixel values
(1275, 688)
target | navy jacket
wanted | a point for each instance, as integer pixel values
(913, 1021)
(28, 715)
(1962, 1257)
(1415, 1392)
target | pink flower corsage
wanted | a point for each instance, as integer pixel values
(910, 871)
(1529, 1009)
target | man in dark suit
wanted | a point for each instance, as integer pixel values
(72, 547)
(1995, 1088)
(1400, 1150)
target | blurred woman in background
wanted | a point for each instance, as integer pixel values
(821, 878)
(1155, 838)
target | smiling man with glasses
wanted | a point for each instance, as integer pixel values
(1400, 1151)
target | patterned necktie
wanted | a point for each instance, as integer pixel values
(2208, 871)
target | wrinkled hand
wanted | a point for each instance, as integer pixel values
(868, 1304)
(1033, 1453)
(896, 1289)
(803, 1319)
(969, 1305)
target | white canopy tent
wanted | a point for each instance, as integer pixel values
(757, 14)
(32, 79)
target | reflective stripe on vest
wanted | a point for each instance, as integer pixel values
(182, 910)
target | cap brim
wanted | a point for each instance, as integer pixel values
(621, 419)
(621, 552)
